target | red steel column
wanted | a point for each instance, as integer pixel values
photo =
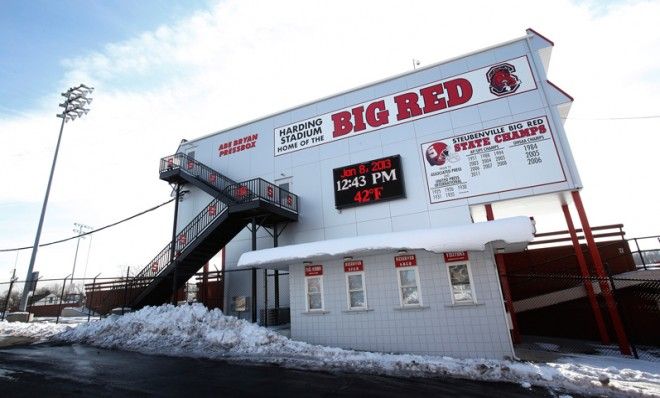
(624, 346)
(506, 290)
(604, 337)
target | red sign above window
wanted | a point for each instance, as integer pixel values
(313, 270)
(353, 266)
(451, 257)
(408, 260)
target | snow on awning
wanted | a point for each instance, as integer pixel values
(509, 234)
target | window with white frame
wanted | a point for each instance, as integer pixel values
(356, 291)
(460, 278)
(409, 286)
(314, 289)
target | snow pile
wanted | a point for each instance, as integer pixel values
(447, 239)
(34, 330)
(194, 331)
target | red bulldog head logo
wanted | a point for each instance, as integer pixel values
(437, 153)
(502, 80)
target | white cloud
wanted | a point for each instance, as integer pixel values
(241, 60)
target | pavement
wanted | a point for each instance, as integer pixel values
(79, 370)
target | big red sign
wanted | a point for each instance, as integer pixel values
(475, 87)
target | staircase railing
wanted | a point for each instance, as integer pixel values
(260, 189)
(184, 238)
(242, 192)
(247, 191)
(197, 169)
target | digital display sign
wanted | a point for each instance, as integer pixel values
(369, 182)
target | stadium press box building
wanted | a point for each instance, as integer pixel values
(383, 253)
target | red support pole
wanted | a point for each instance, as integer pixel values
(604, 337)
(506, 290)
(624, 346)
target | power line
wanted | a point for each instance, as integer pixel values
(91, 232)
(613, 118)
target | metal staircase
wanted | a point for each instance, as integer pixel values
(233, 207)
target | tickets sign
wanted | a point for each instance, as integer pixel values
(451, 257)
(471, 88)
(313, 270)
(502, 158)
(353, 266)
(407, 260)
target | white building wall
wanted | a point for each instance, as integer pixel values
(438, 328)
(310, 169)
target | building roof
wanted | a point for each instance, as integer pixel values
(506, 235)
(543, 46)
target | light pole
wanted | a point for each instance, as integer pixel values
(80, 229)
(75, 100)
(89, 249)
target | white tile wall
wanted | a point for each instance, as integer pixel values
(311, 172)
(476, 331)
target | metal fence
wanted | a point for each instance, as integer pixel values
(558, 307)
(100, 296)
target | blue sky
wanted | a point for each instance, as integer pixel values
(37, 35)
(167, 70)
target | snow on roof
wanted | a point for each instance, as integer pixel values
(511, 234)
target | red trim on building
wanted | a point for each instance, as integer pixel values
(562, 91)
(530, 30)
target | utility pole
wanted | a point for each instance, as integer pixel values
(80, 230)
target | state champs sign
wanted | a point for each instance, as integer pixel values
(471, 88)
(508, 157)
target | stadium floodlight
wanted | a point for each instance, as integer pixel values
(73, 107)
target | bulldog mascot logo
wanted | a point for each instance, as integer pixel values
(502, 80)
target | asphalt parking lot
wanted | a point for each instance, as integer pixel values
(78, 370)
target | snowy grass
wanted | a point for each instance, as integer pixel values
(193, 331)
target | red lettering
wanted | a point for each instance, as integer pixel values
(377, 114)
(432, 101)
(342, 124)
(459, 91)
(407, 106)
(358, 116)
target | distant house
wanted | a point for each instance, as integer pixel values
(49, 299)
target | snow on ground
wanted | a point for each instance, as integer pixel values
(39, 331)
(193, 331)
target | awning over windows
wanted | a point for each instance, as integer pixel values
(506, 235)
